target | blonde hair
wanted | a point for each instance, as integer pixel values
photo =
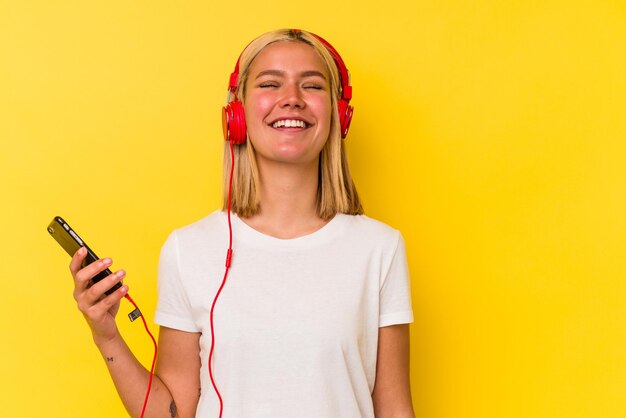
(336, 192)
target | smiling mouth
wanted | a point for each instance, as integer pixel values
(290, 123)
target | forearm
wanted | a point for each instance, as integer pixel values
(131, 381)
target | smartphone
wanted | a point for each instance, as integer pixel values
(71, 242)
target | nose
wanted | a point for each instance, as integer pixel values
(292, 97)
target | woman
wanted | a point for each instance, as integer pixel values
(313, 318)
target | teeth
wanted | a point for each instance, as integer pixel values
(289, 123)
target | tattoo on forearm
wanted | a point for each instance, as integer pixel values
(109, 359)
(173, 410)
(199, 392)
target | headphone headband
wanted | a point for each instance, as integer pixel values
(344, 74)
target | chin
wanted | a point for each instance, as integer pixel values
(287, 157)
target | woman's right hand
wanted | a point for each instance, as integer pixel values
(98, 309)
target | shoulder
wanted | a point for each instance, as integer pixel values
(200, 231)
(364, 229)
(210, 223)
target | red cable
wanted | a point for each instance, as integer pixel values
(229, 255)
(145, 402)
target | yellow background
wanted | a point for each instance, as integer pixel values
(492, 133)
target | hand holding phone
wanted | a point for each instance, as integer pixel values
(98, 305)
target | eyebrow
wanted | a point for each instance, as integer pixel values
(279, 73)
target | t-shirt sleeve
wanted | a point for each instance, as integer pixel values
(395, 293)
(173, 306)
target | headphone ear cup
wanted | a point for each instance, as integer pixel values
(234, 123)
(345, 117)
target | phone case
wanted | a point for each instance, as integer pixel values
(71, 242)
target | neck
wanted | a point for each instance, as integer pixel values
(288, 195)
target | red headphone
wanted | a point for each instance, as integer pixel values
(234, 118)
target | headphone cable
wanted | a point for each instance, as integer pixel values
(229, 255)
(134, 315)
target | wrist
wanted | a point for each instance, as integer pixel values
(106, 342)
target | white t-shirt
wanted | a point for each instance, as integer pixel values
(296, 325)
